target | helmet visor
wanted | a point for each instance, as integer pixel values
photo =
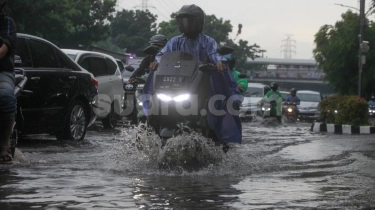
(188, 25)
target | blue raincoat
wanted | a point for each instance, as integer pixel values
(227, 127)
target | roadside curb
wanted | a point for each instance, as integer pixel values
(342, 129)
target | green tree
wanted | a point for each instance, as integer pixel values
(67, 23)
(170, 28)
(337, 54)
(132, 30)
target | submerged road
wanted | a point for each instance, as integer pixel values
(276, 167)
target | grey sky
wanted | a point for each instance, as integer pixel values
(265, 22)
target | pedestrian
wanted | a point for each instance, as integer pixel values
(8, 101)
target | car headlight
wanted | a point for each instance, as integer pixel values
(179, 98)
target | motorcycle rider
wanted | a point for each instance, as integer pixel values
(157, 40)
(275, 95)
(242, 83)
(8, 101)
(190, 20)
(293, 98)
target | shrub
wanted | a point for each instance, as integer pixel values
(351, 110)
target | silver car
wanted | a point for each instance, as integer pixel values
(111, 92)
(308, 108)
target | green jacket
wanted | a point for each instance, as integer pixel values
(274, 95)
(242, 81)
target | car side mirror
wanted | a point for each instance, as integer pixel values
(129, 68)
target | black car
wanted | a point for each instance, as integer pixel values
(63, 94)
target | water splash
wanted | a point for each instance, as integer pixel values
(142, 150)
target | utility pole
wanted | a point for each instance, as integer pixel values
(361, 58)
(288, 47)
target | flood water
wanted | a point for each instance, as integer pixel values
(276, 167)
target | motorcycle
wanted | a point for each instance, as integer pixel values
(180, 94)
(269, 108)
(290, 111)
(20, 82)
(371, 110)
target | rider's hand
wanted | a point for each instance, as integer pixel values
(153, 65)
(239, 86)
(220, 66)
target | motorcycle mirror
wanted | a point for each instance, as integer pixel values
(224, 50)
(242, 76)
(152, 49)
(129, 68)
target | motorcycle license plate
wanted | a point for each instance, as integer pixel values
(170, 82)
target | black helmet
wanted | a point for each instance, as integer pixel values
(158, 40)
(190, 20)
(274, 86)
(231, 60)
(293, 91)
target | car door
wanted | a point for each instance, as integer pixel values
(41, 63)
(96, 64)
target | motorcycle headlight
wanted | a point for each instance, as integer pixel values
(290, 109)
(179, 98)
(182, 97)
(140, 103)
(163, 97)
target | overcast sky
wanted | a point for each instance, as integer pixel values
(265, 22)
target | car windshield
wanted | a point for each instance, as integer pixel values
(309, 97)
(254, 92)
(126, 73)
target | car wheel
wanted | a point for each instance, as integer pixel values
(110, 121)
(74, 123)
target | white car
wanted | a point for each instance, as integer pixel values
(308, 108)
(110, 91)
